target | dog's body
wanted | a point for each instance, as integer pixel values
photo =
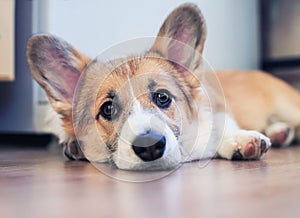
(152, 111)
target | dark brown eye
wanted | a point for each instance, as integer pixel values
(162, 98)
(108, 110)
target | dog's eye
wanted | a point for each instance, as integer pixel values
(162, 98)
(108, 110)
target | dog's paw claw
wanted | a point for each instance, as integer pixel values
(237, 155)
(264, 147)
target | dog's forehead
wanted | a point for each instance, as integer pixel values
(140, 74)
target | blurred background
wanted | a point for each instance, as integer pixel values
(242, 35)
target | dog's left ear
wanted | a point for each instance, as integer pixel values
(181, 40)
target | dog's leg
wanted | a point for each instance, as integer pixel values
(281, 134)
(237, 144)
(286, 116)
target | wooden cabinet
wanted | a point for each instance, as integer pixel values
(7, 36)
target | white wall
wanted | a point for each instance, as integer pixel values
(94, 25)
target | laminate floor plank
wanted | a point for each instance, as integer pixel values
(41, 183)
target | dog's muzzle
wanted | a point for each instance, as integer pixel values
(149, 146)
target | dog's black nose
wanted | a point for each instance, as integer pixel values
(149, 146)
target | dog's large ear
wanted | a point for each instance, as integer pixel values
(181, 38)
(56, 66)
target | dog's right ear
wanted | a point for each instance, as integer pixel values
(181, 40)
(56, 66)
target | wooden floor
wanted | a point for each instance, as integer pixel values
(40, 183)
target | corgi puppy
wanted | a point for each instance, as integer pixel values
(152, 111)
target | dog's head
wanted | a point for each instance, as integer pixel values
(148, 109)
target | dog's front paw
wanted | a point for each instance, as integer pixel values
(250, 145)
(72, 151)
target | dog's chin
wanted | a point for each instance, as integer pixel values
(169, 161)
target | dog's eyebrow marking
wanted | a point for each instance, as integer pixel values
(152, 85)
(111, 95)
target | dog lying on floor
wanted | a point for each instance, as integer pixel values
(139, 125)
